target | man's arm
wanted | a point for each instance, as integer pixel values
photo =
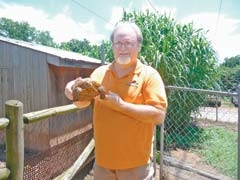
(141, 112)
(144, 113)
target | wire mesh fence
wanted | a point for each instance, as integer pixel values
(200, 135)
(49, 164)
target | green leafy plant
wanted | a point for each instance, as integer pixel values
(184, 57)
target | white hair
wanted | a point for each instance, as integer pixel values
(129, 24)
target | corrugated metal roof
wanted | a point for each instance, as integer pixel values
(63, 54)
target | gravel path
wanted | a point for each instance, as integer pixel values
(221, 114)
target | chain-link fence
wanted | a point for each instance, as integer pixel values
(200, 135)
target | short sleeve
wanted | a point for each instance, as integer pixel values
(154, 89)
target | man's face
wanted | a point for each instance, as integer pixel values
(125, 46)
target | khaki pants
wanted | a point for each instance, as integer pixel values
(145, 172)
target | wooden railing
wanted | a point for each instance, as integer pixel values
(14, 124)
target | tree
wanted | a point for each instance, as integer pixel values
(232, 61)
(84, 47)
(76, 45)
(23, 31)
(44, 38)
(230, 73)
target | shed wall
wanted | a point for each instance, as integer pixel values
(59, 76)
(26, 74)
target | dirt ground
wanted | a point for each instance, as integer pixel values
(191, 167)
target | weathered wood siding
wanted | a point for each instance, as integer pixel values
(5, 75)
(36, 76)
(24, 76)
(66, 123)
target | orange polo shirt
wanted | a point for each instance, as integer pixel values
(122, 142)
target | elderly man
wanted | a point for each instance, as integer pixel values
(124, 120)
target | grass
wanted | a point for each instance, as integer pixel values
(216, 145)
(219, 149)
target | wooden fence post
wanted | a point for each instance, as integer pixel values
(15, 139)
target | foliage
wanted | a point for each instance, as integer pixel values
(184, 57)
(232, 62)
(219, 149)
(23, 31)
(108, 51)
(230, 73)
(182, 54)
(78, 46)
(188, 137)
(84, 47)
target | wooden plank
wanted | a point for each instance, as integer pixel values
(28, 102)
(69, 173)
(2, 55)
(10, 76)
(4, 89)
(43, 80)
(6, 80)
(16, 84)
(5, 64)
(39, 79)
(5, 61)
(46, 113)
(21, 72)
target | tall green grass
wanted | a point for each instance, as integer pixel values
(219, 149)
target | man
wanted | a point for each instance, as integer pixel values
(124, 120)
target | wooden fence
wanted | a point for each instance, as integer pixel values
(14, 123)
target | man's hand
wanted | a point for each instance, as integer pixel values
(112, 100)
(69, 90)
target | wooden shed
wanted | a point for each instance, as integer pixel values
(36, 75)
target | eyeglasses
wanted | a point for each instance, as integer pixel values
(127, 45)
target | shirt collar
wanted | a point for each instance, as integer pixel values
(136, 70)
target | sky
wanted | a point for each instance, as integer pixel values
(94, 20)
